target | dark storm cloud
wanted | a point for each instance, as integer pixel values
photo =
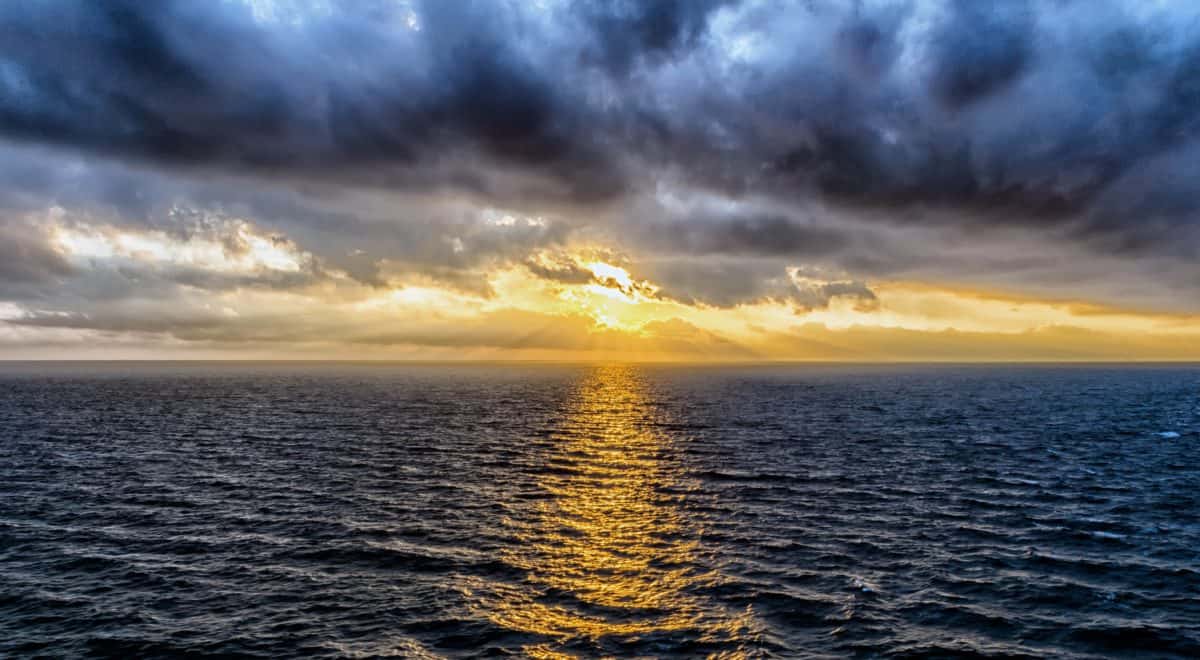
(1074, 121)
(204, 84)
(484, 86)
(966, 67)
(628, 31)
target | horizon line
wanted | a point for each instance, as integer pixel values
(521, 361)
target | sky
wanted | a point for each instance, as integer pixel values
(691, 180)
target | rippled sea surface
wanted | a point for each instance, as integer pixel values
(276, 510)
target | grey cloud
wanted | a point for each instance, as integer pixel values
(814, 293)
(366, 234)
(158, 321)
(502, 329)
(1073, 121)
(726, 282)
(28, 263)
(566, 272)
(748, 232)
(719, 282)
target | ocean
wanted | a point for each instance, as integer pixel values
(556, 511)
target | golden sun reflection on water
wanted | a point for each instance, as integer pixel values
(610, 558)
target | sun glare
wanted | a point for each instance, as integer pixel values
(606, 272)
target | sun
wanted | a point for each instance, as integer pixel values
(614, 300)
(607, 274)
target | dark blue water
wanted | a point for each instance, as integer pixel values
(549, 512)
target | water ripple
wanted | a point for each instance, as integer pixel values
(557, 511)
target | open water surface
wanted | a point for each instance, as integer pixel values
(337, 510)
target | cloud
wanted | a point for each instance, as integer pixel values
(1013, 109)
(726, 283)
(560, 269)
(750, 232)
(627, 33)
(1054, 344)
(719, 146)
(356, 94)
(512, 330)
(27, 262)
(370, 236)
(968, 68)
